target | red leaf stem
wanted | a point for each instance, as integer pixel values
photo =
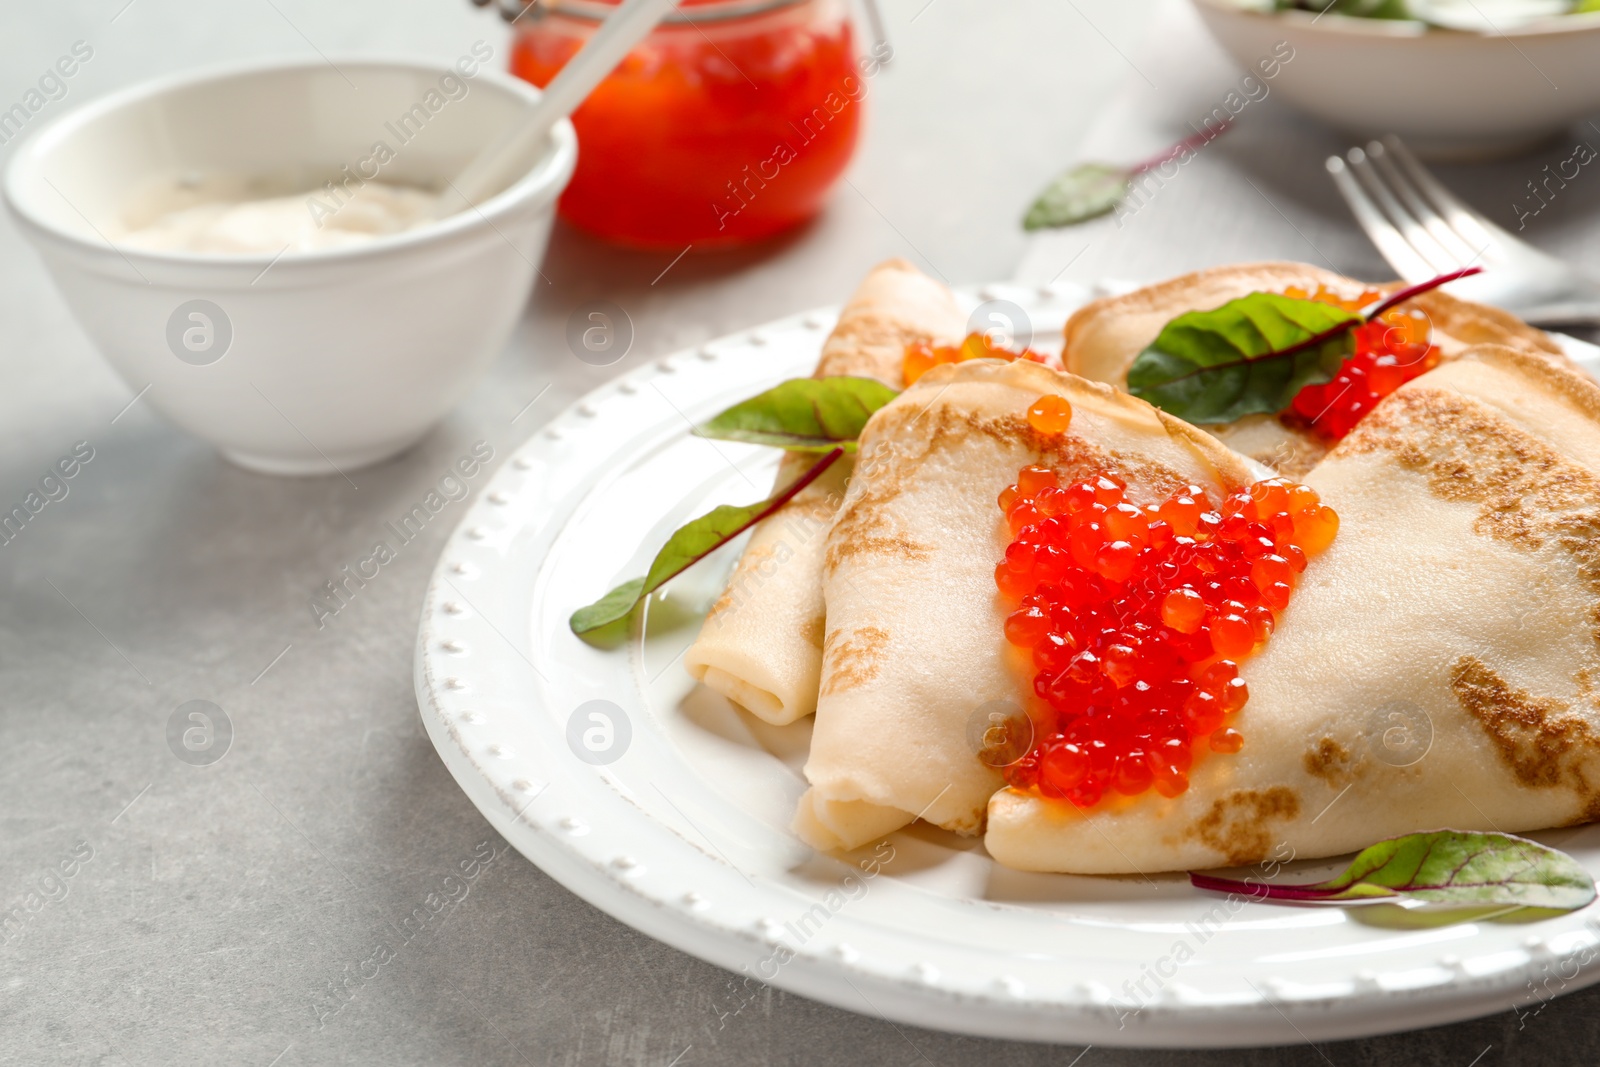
(1193, 141)
(1422, 287)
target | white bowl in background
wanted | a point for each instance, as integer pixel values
(1449, 94)
(315, 361)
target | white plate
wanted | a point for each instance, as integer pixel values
(685, 836)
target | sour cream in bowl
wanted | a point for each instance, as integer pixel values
(210, 213)
(256, 246)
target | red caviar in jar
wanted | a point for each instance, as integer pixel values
(1389, 351)
(922, 356)
(720, 127)
(1136, 619)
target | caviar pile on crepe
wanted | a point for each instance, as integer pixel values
(1135, 620)
(1207, 639)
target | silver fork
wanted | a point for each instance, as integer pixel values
(1423, 231)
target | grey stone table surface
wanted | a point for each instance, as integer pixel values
(211, 910)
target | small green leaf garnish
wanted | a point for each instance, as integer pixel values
(803, 414)
(1448, 867)
(1252, 355)
(691, 543)
(1090, 190)
(1431, 916)
(615, 605)
(1085, 192)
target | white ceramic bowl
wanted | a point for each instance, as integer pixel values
(315, 361)
(1450, 94)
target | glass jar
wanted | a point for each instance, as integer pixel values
(728, 124)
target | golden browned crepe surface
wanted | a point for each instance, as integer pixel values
(1438, 666)
(761, 645)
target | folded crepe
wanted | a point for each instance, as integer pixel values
(761, 645)
(1104, 337)
(915, 645)
(1438, 666)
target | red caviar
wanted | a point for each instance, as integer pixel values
(1390, 351)
(1050, 414)
(712, 132)
(921, 357)
(1136, 619)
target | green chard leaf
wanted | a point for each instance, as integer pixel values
(1249, 356)
(691, 543)
(1252, 355)
(1442, 867)
(803, 414)
(1090, 190)
(1087, 191)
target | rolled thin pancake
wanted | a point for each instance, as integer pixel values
(761, 645)
(1437, 666)
(915, 644)
(1104, 337)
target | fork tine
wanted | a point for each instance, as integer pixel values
(1458, 249)
(1478, 232)
(1393, 247)
(1412, 230)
